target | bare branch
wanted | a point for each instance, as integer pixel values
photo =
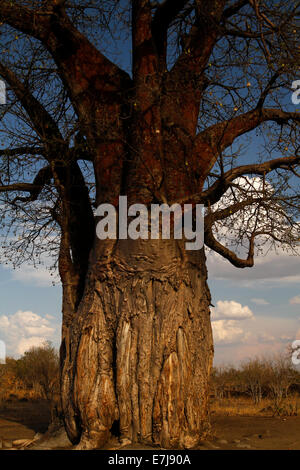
(144, 54)
(210, 143)
(43, 122)
(18, 187)
(215, 245)
(24, 19)
(186, 78)
(80, 64)
(26, 150)
(164, 15)
(233, 9)
(214, 193)
(42, 178)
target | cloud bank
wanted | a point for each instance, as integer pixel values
(25, 329)
(226, 321)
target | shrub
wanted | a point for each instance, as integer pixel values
(39, 368)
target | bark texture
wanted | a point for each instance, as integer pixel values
(137, 354)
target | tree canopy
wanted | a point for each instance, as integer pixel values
(212, 85)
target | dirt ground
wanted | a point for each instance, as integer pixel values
(22, 420)
(258, 432)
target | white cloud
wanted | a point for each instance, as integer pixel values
(27, 343)
(260, 338)
(226, 318)
(4, 322)
(229, 309)
(25, 329)
(227, 331)
(295, 300)
(258, 301)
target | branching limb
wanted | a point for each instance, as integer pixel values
(164, 15)
(234, 9)
(43, 122)
(210, 143)
(18, 187)
(144, 53)
(186, 80)
(270, 86)
(26, 150)
(215, 245)
(224, 251)
(42, 178)
(214, 193)
(218, 189)
(80, 64)
(24, 19)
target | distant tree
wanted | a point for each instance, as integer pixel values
(225, 380)
(39, 367)
(9, 382)
(280, 375)
(218, 382)
(254, 378)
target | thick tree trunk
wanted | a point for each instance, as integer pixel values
(137, 355)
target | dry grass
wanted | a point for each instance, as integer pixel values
(244, 406)
(12, 388)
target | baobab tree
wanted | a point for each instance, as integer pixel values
(166, 121)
